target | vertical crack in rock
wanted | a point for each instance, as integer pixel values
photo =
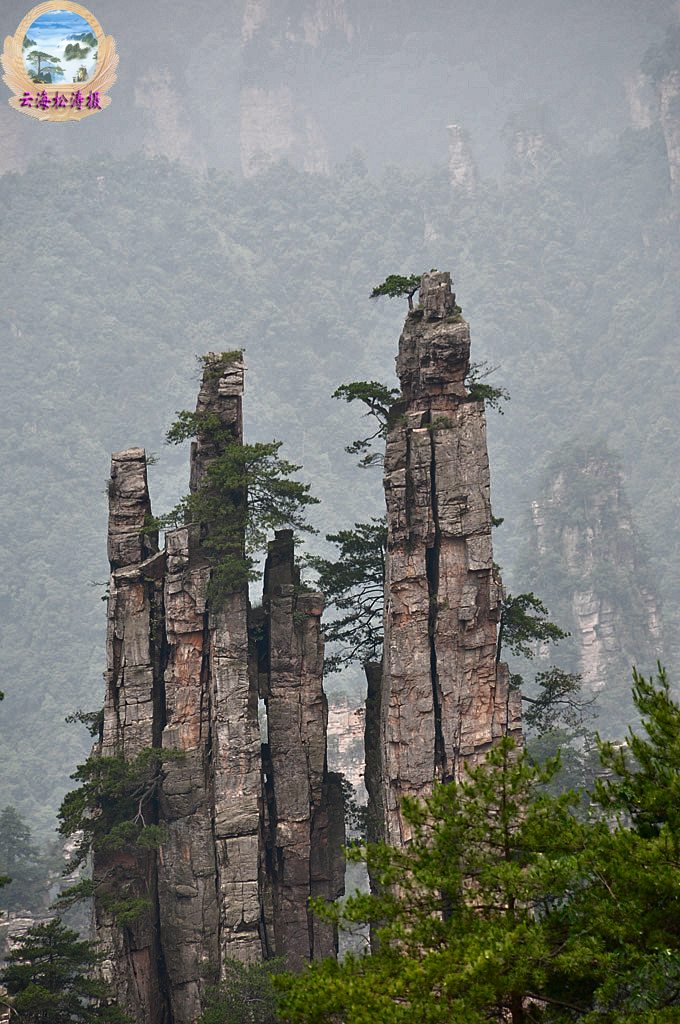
(432, 555)
(133, 705)
(302, 796)
(443, 700)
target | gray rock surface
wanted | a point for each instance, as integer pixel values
(444, 700)
(246, 840)
(303, 798)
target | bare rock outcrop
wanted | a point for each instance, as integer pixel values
(443, 698)
(668, 92)
(587, 558)
(300, 788)
(462, 167)
(134, 959)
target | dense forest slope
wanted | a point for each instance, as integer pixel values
(116, 272)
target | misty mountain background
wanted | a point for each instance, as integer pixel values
(260, 168)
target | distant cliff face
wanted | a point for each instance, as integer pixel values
(277, 120)
(589, 565)
(668, 91)
(241, 85)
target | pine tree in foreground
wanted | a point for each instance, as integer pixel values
(50, 978)
(506, 907)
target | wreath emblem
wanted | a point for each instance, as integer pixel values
(87, 63)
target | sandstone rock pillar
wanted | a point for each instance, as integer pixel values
(443, 700)
(304, 802)
(130, 724)
(208, 865)
(241, 848)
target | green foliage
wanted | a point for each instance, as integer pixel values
(354, 584)
(461, 918)
(246, 996)
(558, 701)
(38, 58)
(212, 368)
(49, 977)
(478, 391)
(646, 787)
(21, 864)
(247, 491)
(92, 720)
(395, 285)
(28, 42)
(379, 400)
(74, 51)
(115, 804)
(355, 813)
(524, 623)
(506, 907)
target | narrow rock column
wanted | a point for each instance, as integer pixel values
(133, 609)
(236, 749)
(187, 871)
(133, 695)
(209, 894)
(305, 814)
(462, 168)
(443, 700)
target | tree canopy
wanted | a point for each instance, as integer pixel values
(506, 907)
(49, 978)
(378, 399)
(354, 584)
(247, 490)
(396, 285)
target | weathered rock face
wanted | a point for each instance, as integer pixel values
(273, 128)
(668, 91)
(443, 698)
(532, 151)
(301, 837)
(133, 697)
(247, 838)
(462, 167)
(587, 559)
(276, 119)
(640, 100)
(169, 129)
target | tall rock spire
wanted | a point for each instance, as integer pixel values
(132, 704)
(444, 699)
(304, 800)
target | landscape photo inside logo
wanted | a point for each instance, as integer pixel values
(60, 46)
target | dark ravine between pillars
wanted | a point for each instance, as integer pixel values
(443, 700)
(251, 830)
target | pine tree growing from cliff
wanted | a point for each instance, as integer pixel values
(396, 285)
(247, 491)
(355, 585)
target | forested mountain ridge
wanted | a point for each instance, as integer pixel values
(568, 277)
